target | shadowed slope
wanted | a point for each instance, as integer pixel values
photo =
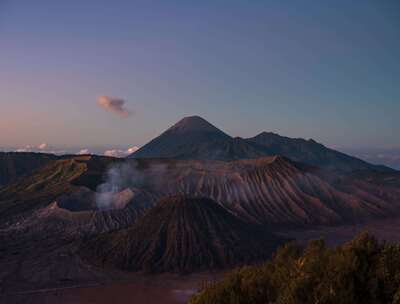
(312, 153)
(14, 165)
(195, 138)
(182, 234)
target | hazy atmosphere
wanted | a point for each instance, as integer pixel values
(100, 75)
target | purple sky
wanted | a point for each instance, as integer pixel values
(327, 70)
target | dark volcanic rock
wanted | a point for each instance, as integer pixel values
(182, 234)
(195, 138)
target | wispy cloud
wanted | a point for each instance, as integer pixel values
(114, 105)
(132, 150)
(27, 148)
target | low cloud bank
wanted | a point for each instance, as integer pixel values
(388, 159)
(46, 148)
(120, 153)
(42, 148)
(84, 151)
(381, 156)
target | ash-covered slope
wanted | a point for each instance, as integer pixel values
(271, 190)
(311, 152)
(17, 164)
(195, 138)
(182, 234)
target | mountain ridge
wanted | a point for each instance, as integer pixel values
(311, 152)
(14, 165)
(195, 138)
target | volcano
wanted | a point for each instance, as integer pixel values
(195, 138)
(183, 234)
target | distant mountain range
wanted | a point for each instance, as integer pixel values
(195, 138)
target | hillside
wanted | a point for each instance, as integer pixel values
(56, 178)
(271, 190)
(14, 165)
(311, 152)
(182, 234)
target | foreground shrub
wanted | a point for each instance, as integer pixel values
(362, 271)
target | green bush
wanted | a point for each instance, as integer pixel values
(362, 271)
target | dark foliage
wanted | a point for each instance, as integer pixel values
(362, 271)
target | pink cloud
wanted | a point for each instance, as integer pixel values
(132, 150)
(42, 146)
(114, 105)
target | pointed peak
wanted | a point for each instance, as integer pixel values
(193, 120)
(194, 123)
(264, 133)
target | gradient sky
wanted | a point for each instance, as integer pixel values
(328, 70)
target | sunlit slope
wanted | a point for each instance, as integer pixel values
(47, 183)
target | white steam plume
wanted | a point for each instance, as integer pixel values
(123, 176)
